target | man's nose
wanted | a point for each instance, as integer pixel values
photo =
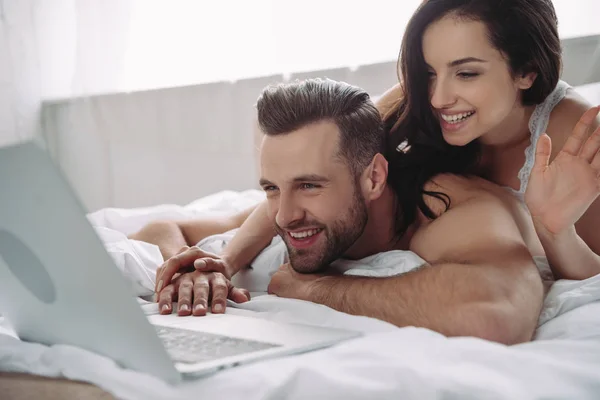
(289, 211)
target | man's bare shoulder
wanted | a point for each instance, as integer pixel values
(458, 190)
(474, 203)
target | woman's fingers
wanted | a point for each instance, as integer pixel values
(591, 147)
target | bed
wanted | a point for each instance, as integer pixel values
(386, 362)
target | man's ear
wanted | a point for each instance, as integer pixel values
(374, 178)
(526, 80)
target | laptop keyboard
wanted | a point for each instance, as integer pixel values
(187, 346)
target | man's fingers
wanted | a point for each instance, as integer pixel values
(219, 291)
(580, 133)
(246, 293)
(201, 292)
(184, 294)
(165, 299)
(239, 295)
(179, 261)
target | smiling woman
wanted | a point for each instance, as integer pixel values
(481, 94)
(464, 64)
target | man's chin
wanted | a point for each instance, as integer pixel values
(307, 261)
(306, 265)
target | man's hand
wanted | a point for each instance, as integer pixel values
(196, 290)
(188, 259)
(286, 282)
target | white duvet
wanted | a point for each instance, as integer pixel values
(387, 362)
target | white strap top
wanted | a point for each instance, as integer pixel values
(538, 123)
(537, 126)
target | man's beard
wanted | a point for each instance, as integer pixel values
(342, 234)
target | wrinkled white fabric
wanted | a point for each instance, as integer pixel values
(386, 363)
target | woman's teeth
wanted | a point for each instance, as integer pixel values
(304, 234)
(453, 119)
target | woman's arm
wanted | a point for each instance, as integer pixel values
(568, 254)
(171, 236)
(562, 195)
(255, 233)
(253, 236)
(388, 102)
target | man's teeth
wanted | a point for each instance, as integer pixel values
(457, 117)
(304, 234)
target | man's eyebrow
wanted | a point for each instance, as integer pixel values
(265, 182)
(301, 178)
(311, 178)
(465, 60)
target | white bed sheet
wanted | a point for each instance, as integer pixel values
(387, 362)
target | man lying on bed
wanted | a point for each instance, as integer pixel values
(330, 196)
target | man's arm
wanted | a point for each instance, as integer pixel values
(171, 236)
(480, 281)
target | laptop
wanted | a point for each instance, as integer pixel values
(58, 285)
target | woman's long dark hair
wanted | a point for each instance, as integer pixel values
(526, 33)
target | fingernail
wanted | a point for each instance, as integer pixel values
(184, 307)
(199, 307)
(160, 285)
(218, 307)
(165, 307)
